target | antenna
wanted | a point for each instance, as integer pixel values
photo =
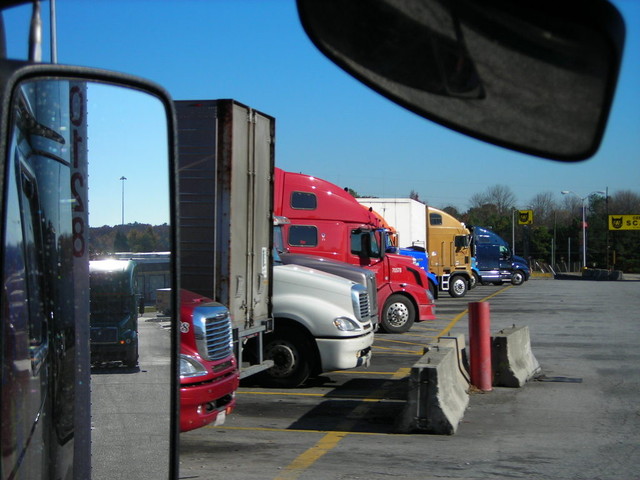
(35, 34)
(52, 28)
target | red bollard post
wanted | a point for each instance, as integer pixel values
(480, 346)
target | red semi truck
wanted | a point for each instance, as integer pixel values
(327, 221)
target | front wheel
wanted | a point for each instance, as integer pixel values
(458, 286)
(517, 278)
(398, 314)
(291, 355)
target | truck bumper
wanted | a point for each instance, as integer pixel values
(205, 403)
(344, 353)
(109, 352)
(427, 312)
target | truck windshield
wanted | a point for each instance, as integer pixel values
(110, 298)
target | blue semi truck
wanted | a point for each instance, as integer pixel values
(493, 260)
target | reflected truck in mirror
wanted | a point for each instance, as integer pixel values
(114, 311)
(41, 303)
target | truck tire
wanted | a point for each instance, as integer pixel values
(433, 289)
(458, 286)
(291, 355)
(131, 357)
(517, 278)
(473, 281)
(398, 314)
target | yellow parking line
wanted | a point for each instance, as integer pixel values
(397, 350)
(457, 318)
(308, 458)
(298, 430)
(330, 440)
(323, 395)
(398, 341)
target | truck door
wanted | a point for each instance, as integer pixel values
(26, 416)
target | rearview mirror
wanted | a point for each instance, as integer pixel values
(536, 77)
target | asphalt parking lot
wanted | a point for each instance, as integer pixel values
(580, 421)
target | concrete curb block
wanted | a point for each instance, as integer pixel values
(602, 275)
(436, 400)
(593, 274)
(541, 275)
(513, 361)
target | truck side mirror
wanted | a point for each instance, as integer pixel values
(69, 136)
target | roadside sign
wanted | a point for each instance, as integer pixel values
(624, 222)
(525, 217)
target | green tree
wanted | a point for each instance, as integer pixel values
(120, 242)
(142, 241)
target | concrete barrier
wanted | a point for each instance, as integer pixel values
(513, 361)
(457, 342)
(436, 399)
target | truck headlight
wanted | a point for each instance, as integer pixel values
(190, 367)
(345, 324)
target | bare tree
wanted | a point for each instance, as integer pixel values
(413, 195)
(624, 202)
(477, 200)
(500, 196)
(544, 206)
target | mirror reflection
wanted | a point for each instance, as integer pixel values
(87, 245)
(129, 250)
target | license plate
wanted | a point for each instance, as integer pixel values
(222, 416)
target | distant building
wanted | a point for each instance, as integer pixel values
(154, 271)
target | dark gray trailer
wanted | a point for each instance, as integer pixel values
(225, 183)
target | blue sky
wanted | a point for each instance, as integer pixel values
(327, 123)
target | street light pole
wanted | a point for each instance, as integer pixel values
(584, 221)
(584, 236)
(123, 178)
(513, 231)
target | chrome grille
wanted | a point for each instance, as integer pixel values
(364, 306)
(360, 300)
(212, 325)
